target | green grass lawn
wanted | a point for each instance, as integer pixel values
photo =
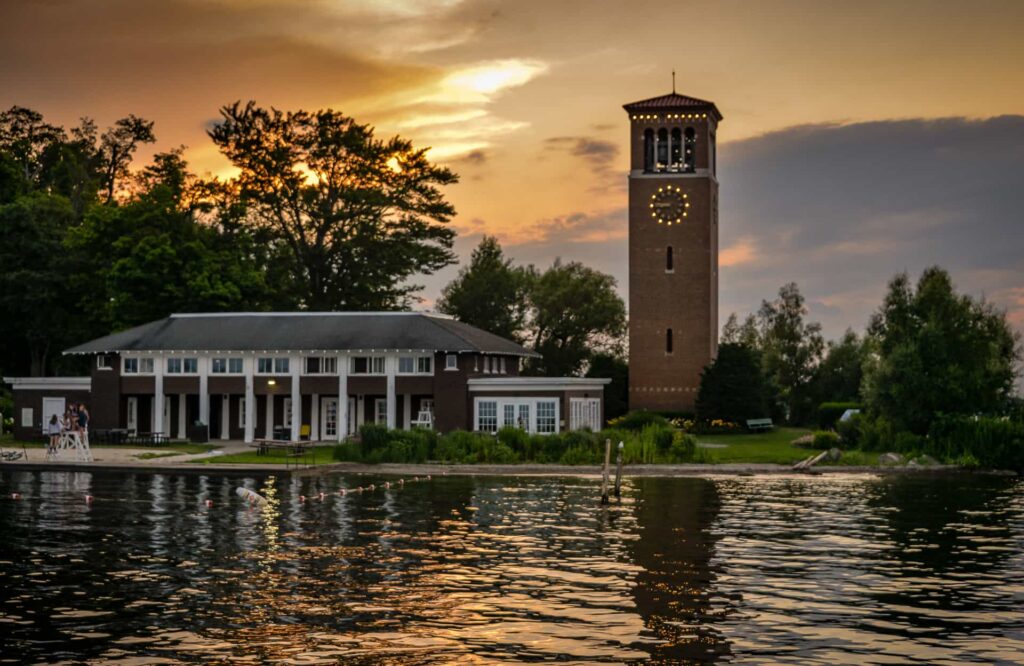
(768, 447)
(320, 455)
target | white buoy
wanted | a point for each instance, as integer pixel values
(15, 495)
(401, 482)
(342, 492)
(387, 484)
(88, 499)
(209, 503)
(250, 496)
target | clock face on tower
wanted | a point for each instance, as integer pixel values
(668, 205)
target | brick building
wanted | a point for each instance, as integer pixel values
(673, 249)
(279, 375)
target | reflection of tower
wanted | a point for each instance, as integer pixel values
(673, 589)
(673, 249)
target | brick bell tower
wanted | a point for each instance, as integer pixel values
(673, 249)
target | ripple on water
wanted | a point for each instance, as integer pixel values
(759, 569)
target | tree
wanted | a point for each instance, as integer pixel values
(358, 215)
(838, 377)
(616, 394)
(733, 387)
(937, 352)
(489, 293)
(576, 314)
(25, 138)
(150, 256)
(117, 148)
(36, 299)
(744, 334)
(790, 349)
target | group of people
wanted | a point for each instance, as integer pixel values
(75, 420)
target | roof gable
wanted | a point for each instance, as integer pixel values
(302, 332)
(672, 101)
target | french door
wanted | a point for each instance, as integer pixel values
(329, 418)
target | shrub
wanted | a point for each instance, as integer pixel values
(980, 441)
(638, 420)
(373, 437)
(829, 413)
(683, 447)
(517, 440)
(877, 434)
(825, 439)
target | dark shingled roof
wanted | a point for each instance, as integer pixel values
(673, 101)
(304, 331)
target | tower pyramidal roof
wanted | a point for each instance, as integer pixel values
(672, 101)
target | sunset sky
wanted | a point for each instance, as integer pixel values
(860, 139)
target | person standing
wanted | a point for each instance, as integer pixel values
(83, 422)
(53, 429)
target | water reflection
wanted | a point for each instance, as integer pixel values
(798, 570)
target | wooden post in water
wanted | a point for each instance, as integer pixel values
(604, 474)
(618, 472)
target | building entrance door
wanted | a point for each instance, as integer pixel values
(132, 418)
(329, 418)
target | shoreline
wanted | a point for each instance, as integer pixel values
(521, 470)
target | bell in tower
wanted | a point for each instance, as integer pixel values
(673, 249)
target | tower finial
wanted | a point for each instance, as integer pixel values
(673, 82)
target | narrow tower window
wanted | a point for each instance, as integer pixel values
(662, 149)
(690, 151)
(668, 260)
(668, 341)
(649, 150)
(676, 151)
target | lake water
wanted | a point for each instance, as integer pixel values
(830, 569)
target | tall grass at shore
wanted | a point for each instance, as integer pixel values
(654, 443)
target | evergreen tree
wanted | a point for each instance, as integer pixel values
(733, 387)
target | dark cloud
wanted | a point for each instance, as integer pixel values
(841, 209)
(594, 150)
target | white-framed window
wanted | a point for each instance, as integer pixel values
(177, 365)
(135, 365)
(367, 365)
(241, 412)
(103, 362)
(380, 411)
(415, 365)
(451, 362)
(547, 416)
(226, 366)
(508, 415)
(487, 416)
(286, 418)
(321, 365)
(535, 415)
(277, 365)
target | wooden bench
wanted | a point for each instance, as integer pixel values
(759, 424)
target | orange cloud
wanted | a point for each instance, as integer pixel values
(740, 252)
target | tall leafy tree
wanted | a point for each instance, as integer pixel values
(935, 351)
(151, 256)
(575, 314)
(791, 349)
(733, 386)
(839, 375)
(358, 215)
(37, 302)
(490, 292)
(616, 394)
(116, 149)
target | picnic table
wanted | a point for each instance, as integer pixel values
(300, 453)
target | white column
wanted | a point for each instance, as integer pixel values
(293, 366)
(390, 366)
(360, 411)
(225, 416)
(158, 394)
(182, 422)
(250, 400)
(406, 411)
(314, 417)
(204, 390)
(270, 416)
(343, 414)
